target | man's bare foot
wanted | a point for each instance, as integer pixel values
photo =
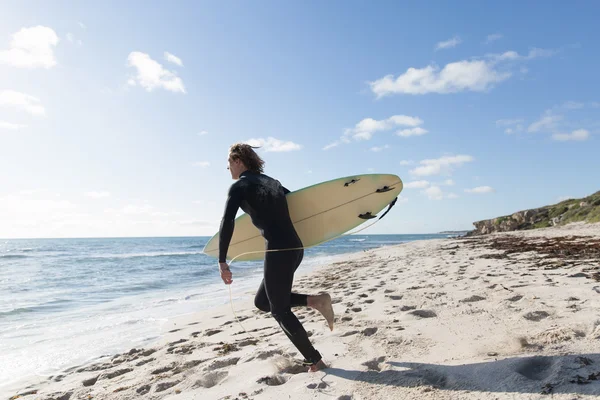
(317, 367)
(322, 303)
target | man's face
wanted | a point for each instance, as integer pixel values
(235, 167)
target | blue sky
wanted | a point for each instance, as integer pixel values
(115, 119)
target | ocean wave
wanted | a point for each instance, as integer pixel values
(143, 255)
(54, 304)
(13, 256)
(356, 240)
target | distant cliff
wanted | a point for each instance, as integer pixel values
(572, 210)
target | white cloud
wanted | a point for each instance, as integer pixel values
(434, 193)
(573, 105)
(407, 162)
(173, 59)
(380, 148)
(97, 195)
(71, 39)
(22, 101)
(480, 190)
(546, 122)
(82, 25)
(202, 133)
(453, 42)
(416, 185)
(31, 48)
(271, 144)
(366, 128)
(577, 135)
(493, 37)
(449, 182)
(513, 125)
(418, 131)
(515, 56)
(151, 74)
(202, 164)
(509, 122)
(452, 196)
(331, 145)
(595, 104)
(10, 126)
(440, 165)
(401, 199)
(477, 75)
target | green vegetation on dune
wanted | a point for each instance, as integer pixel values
(586, 209)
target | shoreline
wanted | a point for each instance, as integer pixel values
(507, 315)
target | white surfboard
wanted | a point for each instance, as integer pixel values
(319, 213)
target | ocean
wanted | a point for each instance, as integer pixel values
(64, 302)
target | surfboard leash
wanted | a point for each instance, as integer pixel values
(300, 248)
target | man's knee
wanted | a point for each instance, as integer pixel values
(262, 304)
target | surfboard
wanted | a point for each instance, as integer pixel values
(319, 212)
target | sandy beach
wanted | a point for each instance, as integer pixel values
(502, 316)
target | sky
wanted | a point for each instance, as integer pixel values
(116, 117)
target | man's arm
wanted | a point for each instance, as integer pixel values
(234, 199)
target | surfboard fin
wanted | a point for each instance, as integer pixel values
(384, 189)
(351, 182)
(367, 215)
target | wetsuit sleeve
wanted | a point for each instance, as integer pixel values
(234, 198)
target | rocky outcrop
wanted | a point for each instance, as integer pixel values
(572, 210)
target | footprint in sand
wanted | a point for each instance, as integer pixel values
(373, 365)
(143, 389)
(346, 319)
(210, 332)
(472, 299)
(263, 355)
(164, 369)
(321, 385)
(218, 364)
(395, 297)
(210, 379)
(273, 380)
(369, 331)
(423, 313)
(349, 333)
(161, 387)
(357, 309)
(114, 374)
(370, 301)
(536, 315)
(139, 364)
(536, 368)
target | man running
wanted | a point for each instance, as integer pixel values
(263, 199)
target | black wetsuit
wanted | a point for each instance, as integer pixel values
(263, 199)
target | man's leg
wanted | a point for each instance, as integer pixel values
(278, 279)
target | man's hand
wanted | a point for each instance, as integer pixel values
(225, 273)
